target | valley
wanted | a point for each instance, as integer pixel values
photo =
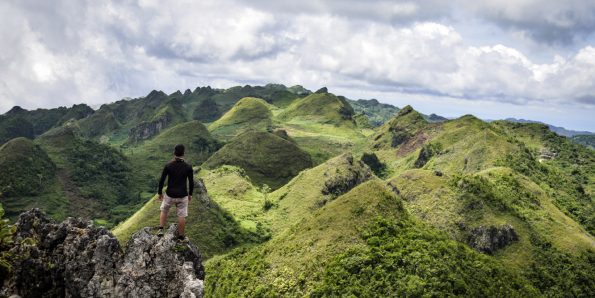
(307, 193)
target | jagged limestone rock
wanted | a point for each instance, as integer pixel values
(340, 182)
(77, 259)
(489, 239)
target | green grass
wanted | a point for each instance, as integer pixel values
(266, 157)
(212, 228)
(320, 108)
(247, 114)
(362, 243)
(26, 169)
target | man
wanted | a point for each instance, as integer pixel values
(178, 172)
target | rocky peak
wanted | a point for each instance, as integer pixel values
(322, 90)
(15, 110)
(488, 239)
(74, 258)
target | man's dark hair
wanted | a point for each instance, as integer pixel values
(179, 150)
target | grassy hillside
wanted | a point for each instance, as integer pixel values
(149, 157)
(377, 113)
(212, 228)
(585, 140)
(247, 114)
(19, 122)
(311, 194)
(361, 243)
(266, 157)
(26, 168)
(96, 179)
(320, 107)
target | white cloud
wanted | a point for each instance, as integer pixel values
(99, 51)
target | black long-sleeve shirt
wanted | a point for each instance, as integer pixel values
(177, 172)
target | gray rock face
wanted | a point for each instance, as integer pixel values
(146, 130)
(340, 182)
(489, 239)
(76, 259)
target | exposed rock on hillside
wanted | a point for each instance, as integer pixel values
(489, 239)
(339, 183)
(76, 259)
(146, 130)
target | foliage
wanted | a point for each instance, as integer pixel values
(406, 259)
(266, 157)
(26, 169)
(377, 113)
(6, 232)
(374, 163)
(585, 140)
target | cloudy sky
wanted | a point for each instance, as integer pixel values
(526, 58)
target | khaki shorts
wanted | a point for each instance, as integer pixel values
(180, 203)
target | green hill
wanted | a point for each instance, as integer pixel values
(407, 128)
(320, 107)
(96, 179)
(266, 157)
(434, 207)
(27, 169)
(247, 114)
(361, 243)
(377, 113)
(211, 227)
(585, 140)
(149, 157)
(19, 122)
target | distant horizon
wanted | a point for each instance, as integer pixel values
(401, 105)
(493, 59)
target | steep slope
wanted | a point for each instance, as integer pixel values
(102, 123)
(320, 107)
(487, 185)
(212, 228)
(407, 130)
(76, 259)
(247, 114)
(28, 179)
(96, 179)
(585, 140)
(165, 115)
(26, 168)
(361, 243)
(266, 157)
(377, 113)
(19, 122)
(150, 156)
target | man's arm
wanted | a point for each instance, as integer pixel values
(190, 183)
(161, 182)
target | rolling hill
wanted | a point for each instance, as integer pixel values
(311, 194)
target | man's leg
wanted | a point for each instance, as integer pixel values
(165, 204)
(162, 219)
(181, 225)
(182, 212)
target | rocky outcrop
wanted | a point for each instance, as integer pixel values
(343, 179)
(146, 130)
(489, 239)
(77, 259)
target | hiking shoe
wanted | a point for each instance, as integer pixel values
(183, 239)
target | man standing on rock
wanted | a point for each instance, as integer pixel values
(178, 172)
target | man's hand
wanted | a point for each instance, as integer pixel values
(189, 198)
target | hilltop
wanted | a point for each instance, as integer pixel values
(302, 193)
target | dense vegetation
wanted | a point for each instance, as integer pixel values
(302, 193)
